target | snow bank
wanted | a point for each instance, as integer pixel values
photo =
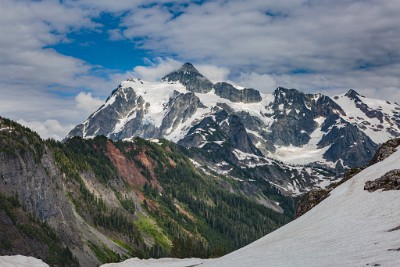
(166, 262)
(21, 261)
(350, 228)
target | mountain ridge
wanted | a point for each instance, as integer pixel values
(288, 125)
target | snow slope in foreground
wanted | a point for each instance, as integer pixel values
(21, 261)
(350, 228)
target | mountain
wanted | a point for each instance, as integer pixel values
(87, 202)
(292, 140)
(353, 226)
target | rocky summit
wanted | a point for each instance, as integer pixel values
(287, 128)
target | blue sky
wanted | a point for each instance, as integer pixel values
(96, 47)
(60, 59)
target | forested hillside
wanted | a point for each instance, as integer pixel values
(109, 200)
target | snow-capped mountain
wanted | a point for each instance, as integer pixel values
(250, 126)
(352, 227)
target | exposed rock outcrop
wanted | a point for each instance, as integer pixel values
(389, 181)
(180, 108)
(312, 199)
(227, 91)
(385, 150)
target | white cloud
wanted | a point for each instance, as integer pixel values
(115, 35)
(48, 128)
(262, 82)
(320, 39)
(37, 82)
(213, 73)
(88, 103)
(156, 69)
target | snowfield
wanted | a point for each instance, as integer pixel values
(21, 261)
(352, 227)
(166, 262)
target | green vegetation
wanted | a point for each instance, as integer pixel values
(104, 254)
(220, 221)
(17, 139)
(146, 226)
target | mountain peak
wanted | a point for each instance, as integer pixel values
(191, 78)
(352, 94)
(188, 67)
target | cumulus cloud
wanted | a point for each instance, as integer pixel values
(156, 69)
(37, 82)
(88, 103)
(214, 73)
(262, 82)
(48, 128)
(291, 39)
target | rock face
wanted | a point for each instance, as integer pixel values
(295, 114)
(180, 109)
(385, 150)
(191, 78)
(223, 128)
(389, 181)
(227, 91)
(37, 183)
(347, 143)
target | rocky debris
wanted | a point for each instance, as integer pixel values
(227, 91)
(311, 199)
(385, 150)
(389, 181)
(191, 78)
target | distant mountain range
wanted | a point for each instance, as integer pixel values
(293, 140)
